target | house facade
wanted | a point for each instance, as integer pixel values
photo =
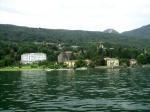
(62, 57)
(70, 63)
(68, 54)
(111, 62)
(133, 62)
(29, 58)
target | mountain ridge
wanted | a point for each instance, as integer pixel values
(21, 34)
(142, 32)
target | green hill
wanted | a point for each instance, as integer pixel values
(143, 32)
(19, 34)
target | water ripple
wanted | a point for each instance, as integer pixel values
(89, 90)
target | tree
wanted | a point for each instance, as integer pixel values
(12, 53)
(148, 59)
(1, 64)
(91, 65)
(124, 62)
(80, 63)
(41, 63)
(141, 59)
(7, 61)
(102, 62)
(20, 65)
(72, 57)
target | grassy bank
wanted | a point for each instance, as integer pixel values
(18, 69)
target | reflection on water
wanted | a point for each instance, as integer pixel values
(85, 90)
(33, 81)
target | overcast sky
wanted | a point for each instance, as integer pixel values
(92, 15)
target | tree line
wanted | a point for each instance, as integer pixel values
(10, 53)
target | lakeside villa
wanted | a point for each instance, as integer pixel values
(70, 63)
(133, 62)
(29, 58)
(64, 57)
(112, 62)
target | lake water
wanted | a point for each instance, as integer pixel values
(87, 90)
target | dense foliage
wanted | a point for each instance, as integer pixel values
(11, 33)
(15, 41)
(10, 52)
(143, 32)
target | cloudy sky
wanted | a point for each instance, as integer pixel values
(92, 15)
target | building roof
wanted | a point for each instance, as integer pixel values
(62, 57)
(33, 53)
(68, 52)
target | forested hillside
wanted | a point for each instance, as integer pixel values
(16, 40)
(143, 32)
(11, 33)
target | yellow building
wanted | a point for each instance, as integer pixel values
(70, 63)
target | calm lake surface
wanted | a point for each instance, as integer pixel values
(87, 90)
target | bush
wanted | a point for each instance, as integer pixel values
(20, 65)
(34, 66)
(80, 63)
(1, 64)
(124, 62)
(91, 65)
(64, 65)
(57, 66)
(44, 66)
(51, 66)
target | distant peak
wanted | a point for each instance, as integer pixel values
(110, 31)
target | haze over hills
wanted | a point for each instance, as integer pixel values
(142, 32)
(12, 33)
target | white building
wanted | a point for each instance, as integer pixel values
(111, 62)
(32, 57)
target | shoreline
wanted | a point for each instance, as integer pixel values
(19, 69)
(48, 69)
